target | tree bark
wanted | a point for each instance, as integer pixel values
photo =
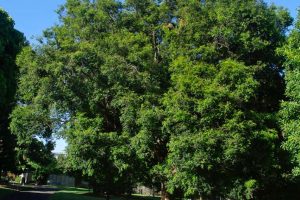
(164, 193)
(78, 180)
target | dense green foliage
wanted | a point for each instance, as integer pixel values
(11, 42)
(178, 95)
(226, 88)
(290, 106)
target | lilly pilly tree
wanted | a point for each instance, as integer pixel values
(102, 80)
(66, 79)
(226, 88)
(132, 74)
(11, 42)
(87, 80)
(149, 139)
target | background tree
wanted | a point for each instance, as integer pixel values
(64, 165)
(11, 42)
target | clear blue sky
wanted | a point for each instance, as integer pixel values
(33, 16)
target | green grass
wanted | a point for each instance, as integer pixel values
(83, 194)
(72, 194)
(141, 197)
(4, 192)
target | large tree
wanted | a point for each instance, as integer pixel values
(11, 42)
(181, 95)
(226, 88)
(87, 81)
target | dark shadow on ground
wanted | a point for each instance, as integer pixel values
(28, 196)
(30, 192)
(31, 187)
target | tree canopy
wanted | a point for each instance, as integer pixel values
(183, 96)
(290, 106)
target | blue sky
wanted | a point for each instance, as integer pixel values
(33, 16)
(292, 5)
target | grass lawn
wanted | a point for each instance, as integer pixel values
(83, 194)
(72, 194)
(5, 192)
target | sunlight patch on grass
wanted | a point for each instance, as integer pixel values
(82, 194)
(72, 194)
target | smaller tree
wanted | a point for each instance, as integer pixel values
(64, 166)
(35, 119)
(33, 129)
(11, 42)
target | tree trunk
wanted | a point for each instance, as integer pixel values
(164, 193)
(97, 189)
(78, 180)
